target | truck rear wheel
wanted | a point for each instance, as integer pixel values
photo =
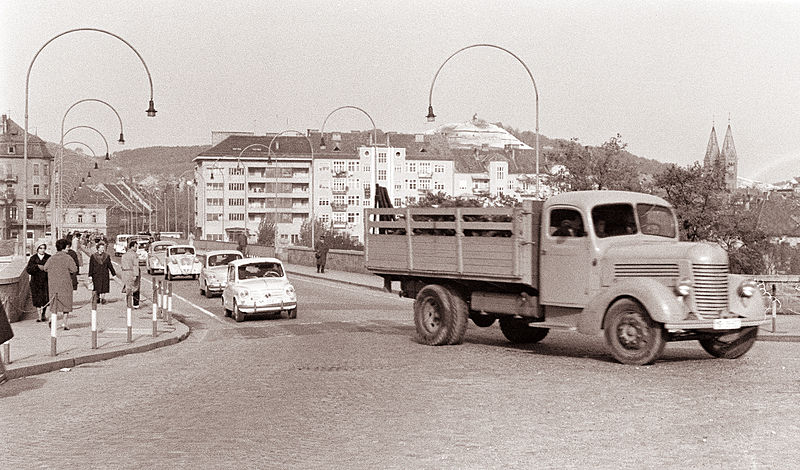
(440, 316)
(631, 335)
(518, 330)
(731, 345)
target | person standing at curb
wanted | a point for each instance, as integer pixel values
(321, 253)
(38, 282)
(99, 268)
(76, 258)
(60, 268)
(131, 275)
(6, 333)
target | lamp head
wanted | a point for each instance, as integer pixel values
(151, 111)
(122, 137)
(96, 167)
(431, 117)
(107, 157)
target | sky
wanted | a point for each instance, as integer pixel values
(657, 72)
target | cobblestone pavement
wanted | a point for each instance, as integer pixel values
(347, 386)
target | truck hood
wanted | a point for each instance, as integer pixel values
(639, 251)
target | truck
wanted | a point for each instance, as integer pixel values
(594, 262)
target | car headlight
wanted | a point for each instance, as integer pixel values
(244, 294)
(290, 290)
(747, 288)
(211, 277)
(155, 261)
(684, 287)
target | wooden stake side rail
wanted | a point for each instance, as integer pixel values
(455, 242)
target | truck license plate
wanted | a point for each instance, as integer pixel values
(727, 323)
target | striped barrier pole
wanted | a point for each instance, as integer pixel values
(169, 303)
(94, 320)
(155, 310)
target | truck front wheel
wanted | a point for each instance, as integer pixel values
(440, 316)
(731, 345)
(518, 330)
(631, 335)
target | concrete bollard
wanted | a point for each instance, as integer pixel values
(164, 300)
(7, 352)
(130, 326)
(53, 332)
(169, 303)
(155, 310)
(94, 320)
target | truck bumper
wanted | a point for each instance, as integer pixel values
(711, 325)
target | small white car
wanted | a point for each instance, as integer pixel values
(142, 245)
(156, 256)
(214, 273)
(121, 244)
(181, 261)
(258, 286)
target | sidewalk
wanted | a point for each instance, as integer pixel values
(787, 327)
(30, 347)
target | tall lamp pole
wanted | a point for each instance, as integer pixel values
(151, 112)
(432, 117)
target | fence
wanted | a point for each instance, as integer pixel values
(787, 291)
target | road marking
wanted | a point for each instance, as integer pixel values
(210, 314)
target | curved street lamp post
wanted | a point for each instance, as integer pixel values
(432, 117)
(151, 112)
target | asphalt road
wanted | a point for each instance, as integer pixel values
(345, 385)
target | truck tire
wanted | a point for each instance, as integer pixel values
(519, 331)
(631, 335)
(731, 345)
(440, 316)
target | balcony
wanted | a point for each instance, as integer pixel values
(9, 178)
(425, 174)
(339, 225)
(340, 173)
(340, 190)
(338, 207)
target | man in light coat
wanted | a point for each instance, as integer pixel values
(131, 274)
(60, 268)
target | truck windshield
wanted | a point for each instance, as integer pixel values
(612, 220)
(656, 220)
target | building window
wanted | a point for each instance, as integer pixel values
(236, 216)
(381, 175)
(367, 202)
(438, 186)
(35, 168)
(46, 169)
(213, 217)
(324, 202)
(295, 239)
(398, 202)
(340, 217)
(424, 167)
(236, 171)
(94, 218)
(80, 218)
(338, 185)
(236, 186)
(324, 218)
(338, 200)
(214, 187)
(29, 212)
(35, 189)
(352, 200)
(214, 201)
(411, 167)
(338, 166)
(12, 212)
(501, 174)
(412, 184)
(438, 168)
(46, 190)
(10, 149)
(425, 184)
(237, 201)
(351, 217)
(352, 165)
(381, 157)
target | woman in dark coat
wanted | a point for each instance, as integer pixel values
(39, 291)
(99, 267)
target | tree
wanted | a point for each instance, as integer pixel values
(586, 168)
(266, 230)
(335, 239)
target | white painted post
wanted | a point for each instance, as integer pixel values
(130, 326)
(94, 320)
(53, 332)
(774, 309)
(169, 304)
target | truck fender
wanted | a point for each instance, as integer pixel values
(659, 300)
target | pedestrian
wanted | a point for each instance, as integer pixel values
(242, 243)
(99, 267)
(131, 275)
(321, 253)
(191, 238)
(77, 259)
(6, 333)
(39, 290)
(59, 268)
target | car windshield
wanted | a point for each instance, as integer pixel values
(656, 220)
(182, 250)
(160, 247)
(253, 271)
(222, 259)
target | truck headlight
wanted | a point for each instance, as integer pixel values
(747, 288)
(684, 287)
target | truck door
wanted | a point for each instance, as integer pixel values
(565, 269)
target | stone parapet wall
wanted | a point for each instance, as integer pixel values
(15, 293)
(338, 260)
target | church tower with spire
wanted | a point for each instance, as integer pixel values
(727, 157)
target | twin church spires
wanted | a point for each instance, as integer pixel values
(727, 156)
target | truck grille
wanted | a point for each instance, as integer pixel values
(646, 270)
(710, 289)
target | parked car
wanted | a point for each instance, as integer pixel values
(258, 286)
(142, 246)
(180, 260)
(121, 244)
(214, 271)
(156, 256)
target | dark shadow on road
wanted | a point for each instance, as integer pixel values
(23, 384)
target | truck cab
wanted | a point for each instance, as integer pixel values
(596, 262)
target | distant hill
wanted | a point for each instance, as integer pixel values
(153, 161)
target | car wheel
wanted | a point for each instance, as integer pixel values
(292, 313)
(440, 316)
(238, 315)
(518, 330)
(203, 292)
(731, 345)
(631, 335)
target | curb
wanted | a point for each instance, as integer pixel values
(57, 364)
(351, 283)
